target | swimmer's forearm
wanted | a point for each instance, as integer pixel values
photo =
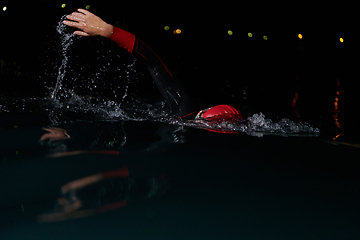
(80, 183)
(123, 38)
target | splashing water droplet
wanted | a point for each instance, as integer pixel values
(66, 41)
(256, 125)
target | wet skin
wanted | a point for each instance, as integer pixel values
(89, 24)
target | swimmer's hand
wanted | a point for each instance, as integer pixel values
(89, 24)
(54, 134)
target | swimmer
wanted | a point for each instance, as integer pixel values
(176, 98)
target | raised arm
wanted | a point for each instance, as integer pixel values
(172, 90)
(91, 25)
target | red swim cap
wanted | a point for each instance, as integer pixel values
(222, 113)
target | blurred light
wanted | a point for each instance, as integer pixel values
(250, 34)
(63, 5)
(167, 28)
(334, 138)
(300, 36)
(177, 31)
(336, 108)
(341, 40)
(230, 32)
(295, 99)
(87, 7)
(4, 8)
(265, 37)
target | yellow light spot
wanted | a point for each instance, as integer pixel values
(87, 7)
(265, 37)
(63, 5)
(300, 36)
(167, 28)
(250, 34)
(177, 31)
(4, 8)
(230, 32)
(341, 40)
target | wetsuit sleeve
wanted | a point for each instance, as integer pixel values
(123, 38)
(171, 89)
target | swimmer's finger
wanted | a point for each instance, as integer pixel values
(74, 24)
(85, 11)
(45, 137)
(80, 33)
(73, 17)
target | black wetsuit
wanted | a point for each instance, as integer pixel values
(179, 102)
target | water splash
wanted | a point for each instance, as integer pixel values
(97, 82)
(256, 125)
(66, 41)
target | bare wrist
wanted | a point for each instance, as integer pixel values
(108, 30)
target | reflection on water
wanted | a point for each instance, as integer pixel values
(295, 100)
(336, 108)
(103, 192)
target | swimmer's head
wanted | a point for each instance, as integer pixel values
(212, 118)
(219, 113)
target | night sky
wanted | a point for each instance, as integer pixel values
(204, 51)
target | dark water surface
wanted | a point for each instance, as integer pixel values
(184, 181)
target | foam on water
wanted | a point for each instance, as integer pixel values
(256, 125)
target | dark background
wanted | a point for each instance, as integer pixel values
(214, 66)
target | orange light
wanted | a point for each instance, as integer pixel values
(177, 31)
(334, 138)
(300, 36)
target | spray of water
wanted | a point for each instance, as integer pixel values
(66, 41)
(99, 88)
(256, 125)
